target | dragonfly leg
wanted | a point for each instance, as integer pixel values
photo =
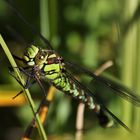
(41, 86)
(29, 75)
(12, 74)
(26, 86)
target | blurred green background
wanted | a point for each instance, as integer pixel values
(87, 32)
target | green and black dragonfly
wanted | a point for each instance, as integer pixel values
(48, 65)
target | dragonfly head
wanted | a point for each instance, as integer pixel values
(35, 56)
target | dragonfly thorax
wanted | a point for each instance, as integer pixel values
(45, 62)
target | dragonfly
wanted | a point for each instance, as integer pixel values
(48, 65)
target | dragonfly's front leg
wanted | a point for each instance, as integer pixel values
(28, 82)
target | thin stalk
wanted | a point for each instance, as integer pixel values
(53, 18)
(129, 58)
(137, 110)
(48, 19)
(27, 93)
(43, 112)
(81, 106)
(44, 18)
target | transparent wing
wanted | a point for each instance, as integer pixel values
(16, 11)
(88, 92)
(122, 91)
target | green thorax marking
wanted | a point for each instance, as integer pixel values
(53, 67)
(47, 61)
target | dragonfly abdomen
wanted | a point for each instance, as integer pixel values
(67, 86)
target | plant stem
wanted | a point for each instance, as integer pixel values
(48, 20)
(44, 18)
(129, 57)
(137, 78)
(28, 96)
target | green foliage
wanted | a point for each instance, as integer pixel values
(88, 32)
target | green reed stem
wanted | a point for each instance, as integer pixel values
(48, 20)
(137, 78)
(44, 18)
(27, 93)
(129, 58)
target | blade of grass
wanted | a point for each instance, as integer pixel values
(28, 96)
